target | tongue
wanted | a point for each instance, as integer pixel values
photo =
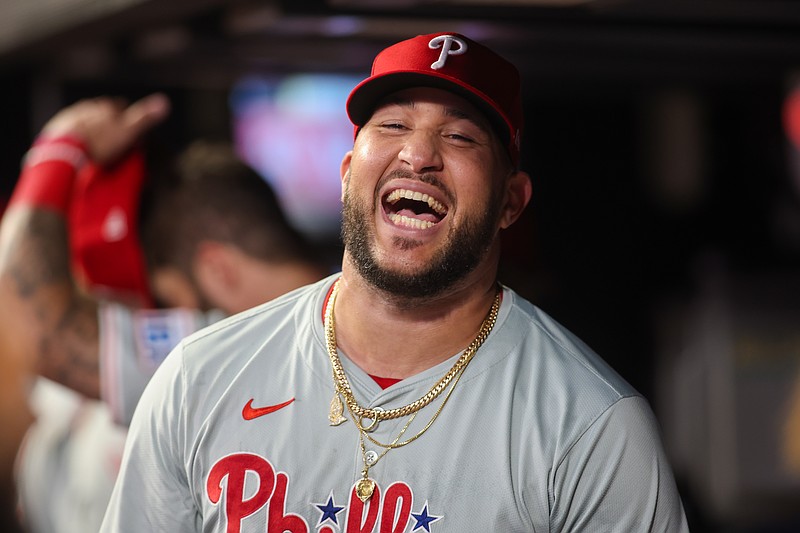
(419, 216)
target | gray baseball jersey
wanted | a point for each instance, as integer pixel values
(233, 434)
(133, 342)
(67, 464)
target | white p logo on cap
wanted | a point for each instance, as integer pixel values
(445, 42)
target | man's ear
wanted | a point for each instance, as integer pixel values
(344, 170)
(217, 277)
(518, 194)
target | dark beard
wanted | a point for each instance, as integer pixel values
(465, 247)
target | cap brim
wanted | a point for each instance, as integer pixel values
(368, 94)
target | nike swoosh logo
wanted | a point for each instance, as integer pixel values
(249, 412)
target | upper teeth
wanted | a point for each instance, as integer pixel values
(418, 196)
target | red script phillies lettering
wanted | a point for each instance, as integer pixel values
(390, 511)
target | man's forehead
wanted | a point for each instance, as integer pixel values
(452, 105)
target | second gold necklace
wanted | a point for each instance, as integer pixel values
(365, 487)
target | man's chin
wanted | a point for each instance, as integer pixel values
(406, 283)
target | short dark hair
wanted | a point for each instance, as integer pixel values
(208, 193)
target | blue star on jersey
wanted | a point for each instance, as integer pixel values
(424, 519)
(329, 511)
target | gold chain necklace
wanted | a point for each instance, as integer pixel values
(366, 486)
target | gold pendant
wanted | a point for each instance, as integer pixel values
(337, 408)
(364, 489)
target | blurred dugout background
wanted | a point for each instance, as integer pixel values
(663, 138)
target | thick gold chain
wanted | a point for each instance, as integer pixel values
(343, 385)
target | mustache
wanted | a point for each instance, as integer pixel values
(427, 178)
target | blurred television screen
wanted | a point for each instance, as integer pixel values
(294, 131)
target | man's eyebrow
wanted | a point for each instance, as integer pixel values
(454, 112)
(397, 100)
(458, 113)
(476, 119)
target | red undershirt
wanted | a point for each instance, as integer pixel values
(383, 383)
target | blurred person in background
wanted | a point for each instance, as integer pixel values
(15, 418)
(104, 269)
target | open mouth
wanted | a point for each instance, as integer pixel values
(413, 209)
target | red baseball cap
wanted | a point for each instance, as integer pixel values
(103, 226)
(452, 62)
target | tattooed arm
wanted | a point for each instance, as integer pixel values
(53, 321)
(45, 320)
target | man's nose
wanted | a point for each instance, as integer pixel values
(421, 152)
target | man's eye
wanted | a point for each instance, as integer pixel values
(393, 126)
(460, 138)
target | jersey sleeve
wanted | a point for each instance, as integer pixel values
(151, 492)
(616, 477)
(133, 343)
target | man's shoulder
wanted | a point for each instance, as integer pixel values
(553, 348)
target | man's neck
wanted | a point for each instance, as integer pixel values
(267, 281)
(394, 341)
